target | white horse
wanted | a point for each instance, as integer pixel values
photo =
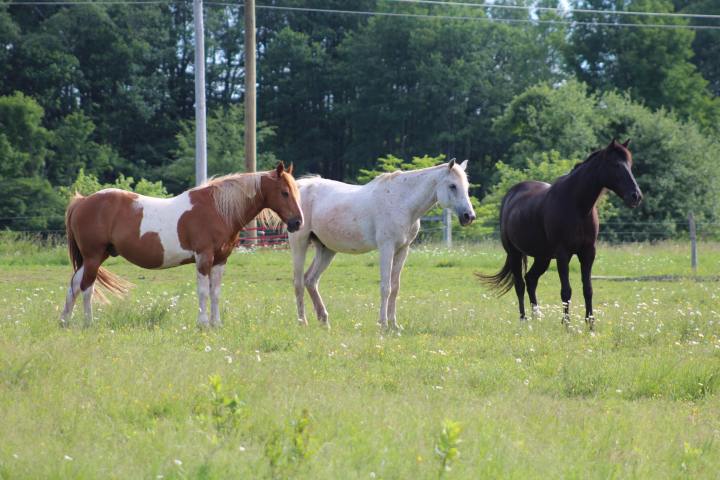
(382, 215)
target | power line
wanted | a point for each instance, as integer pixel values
(405, 15)
(550, 9)
(100, 2)
(376, 13)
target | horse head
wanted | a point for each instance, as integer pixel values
(617, 173)
(282, 196)
(452, 192)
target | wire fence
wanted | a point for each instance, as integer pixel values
(432, 230)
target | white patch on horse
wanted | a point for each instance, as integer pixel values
(161, 216)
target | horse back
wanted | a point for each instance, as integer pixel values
(522, 218)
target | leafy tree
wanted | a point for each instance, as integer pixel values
(73, 149)
(23, 139)
(674, 162)
(652, 64)
(706, 44)
(29, 203)
(226, 148)
(545, 118)
(87, 183)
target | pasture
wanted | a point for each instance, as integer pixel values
(144, 394)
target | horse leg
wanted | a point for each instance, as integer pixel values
(387, 253)
(203, 264)
(87, 285)
(299, 245)
(539, 266)
(72, 294)
(397, 266)
(322, 260)
(587, 257)
(516, 259)
(563, 267)
(216, 274)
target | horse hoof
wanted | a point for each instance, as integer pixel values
(302, 322)
(523, 318)
(591, 323)
(536, 312)
(64, 324)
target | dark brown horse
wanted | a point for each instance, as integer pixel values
(558, 221)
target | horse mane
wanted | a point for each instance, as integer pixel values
(596, 153)
(384, 177)
(233, 195)
(590, 157)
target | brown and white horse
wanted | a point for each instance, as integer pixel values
(200, 225)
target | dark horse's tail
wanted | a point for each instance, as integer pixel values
(501, 282)
(112, 283)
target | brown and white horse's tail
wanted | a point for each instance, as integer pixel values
(502, 281)
(109, 281)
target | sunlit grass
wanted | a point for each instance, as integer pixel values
(132, 396)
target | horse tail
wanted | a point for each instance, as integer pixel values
(109, 281)
(76, 258)
(112, 283)
(503, 281)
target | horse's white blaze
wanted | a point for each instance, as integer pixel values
(161, 216)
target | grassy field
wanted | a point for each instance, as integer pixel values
(144, 394)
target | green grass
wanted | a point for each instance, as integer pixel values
(132, 396)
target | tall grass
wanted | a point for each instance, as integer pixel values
(143, 394)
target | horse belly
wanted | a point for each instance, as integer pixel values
(343, 237)
(159, 225)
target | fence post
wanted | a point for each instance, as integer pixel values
(693, 243)
(447, 223)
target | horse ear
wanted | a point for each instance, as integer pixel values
(613, 143)
(463, 165)
(280, 168)
(626, 143)
(451, 164)
(291, 168)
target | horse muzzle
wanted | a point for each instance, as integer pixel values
(466, 218)
(633, 199)
(293, 225)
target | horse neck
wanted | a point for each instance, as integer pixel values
(585, 187)
(240, 218)
(421, 190)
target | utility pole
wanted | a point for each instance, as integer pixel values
(250, 100)
(200, 122)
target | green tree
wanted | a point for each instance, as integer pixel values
(74, 149)
(433, 85)
(23, 139)
(87, 183)
(226, 148)
(652, 64)
(674, 162)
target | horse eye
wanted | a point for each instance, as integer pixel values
(285, 194)
(453, 186)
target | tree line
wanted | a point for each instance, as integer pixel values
(99, 94)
